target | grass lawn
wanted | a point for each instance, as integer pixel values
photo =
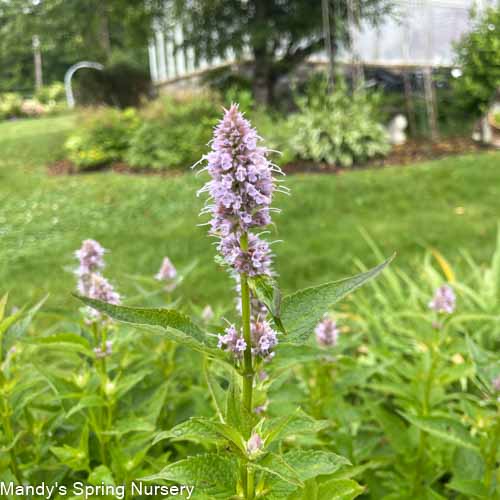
(451, 204)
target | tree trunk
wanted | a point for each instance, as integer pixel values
(263, 79)
(104, 37)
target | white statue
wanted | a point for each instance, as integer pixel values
(396, 130)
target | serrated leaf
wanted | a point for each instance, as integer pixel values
(301, 311)
(312, 463)
(178, 326)
(447, 429)
(339, 489)
(266, 290)
(193, 429)
(213, 474)
(277, 466)
(297, 423)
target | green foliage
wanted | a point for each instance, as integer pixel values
(337, 128)
(478, 54)
(281, 33)
(51, 94)
(174, 132)
(10, 105)
(302, 310)
(102, 137)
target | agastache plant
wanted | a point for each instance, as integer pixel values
(240, 189)
(254, 460)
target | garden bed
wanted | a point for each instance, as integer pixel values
(412, 152)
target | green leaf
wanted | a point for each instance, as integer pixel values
(213, 474)
(395, 430)
(301, 311)
(93, 401)
(277, 466)
(447, 429)
(216, 391)
(312, 463)
(339, 489)
(101, 475)
(194, 429)
(65, 341)
(297, 423)
(179, 327)
(267, 291)
(470, 488)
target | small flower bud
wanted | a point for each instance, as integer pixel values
(254, 444)
(208, 314)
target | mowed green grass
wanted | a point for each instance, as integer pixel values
(451, 204)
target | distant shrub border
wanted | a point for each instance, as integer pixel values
(48, 100)
(328, 132)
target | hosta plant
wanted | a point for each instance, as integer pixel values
(248, 454)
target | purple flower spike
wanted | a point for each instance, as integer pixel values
(240, 192)
(327, 332)
(101, 289)
(91, 261)
(444, 300)
(232, 341)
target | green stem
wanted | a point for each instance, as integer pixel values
(250, 483)
(248, 372)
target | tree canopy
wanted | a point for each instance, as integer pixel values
(279, 33)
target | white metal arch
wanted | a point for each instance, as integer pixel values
(69, 74)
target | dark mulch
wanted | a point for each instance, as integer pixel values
(66, 167)
(411, 152)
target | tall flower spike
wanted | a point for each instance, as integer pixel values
(101, 289)
(444, 300)
(91, 261)
(240, 193)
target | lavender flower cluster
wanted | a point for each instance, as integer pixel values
(444, 300)
(101, 354)
(264, 339)
(91, 283)
(240, 193)
(327, 332)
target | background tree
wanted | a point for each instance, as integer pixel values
(478, 55)
(70, 31)
(280, 33)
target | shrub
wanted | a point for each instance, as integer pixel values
(336, 127)
(102, 137)
(174, 132)
(10, 105)
(478, 54)
(51, 94)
